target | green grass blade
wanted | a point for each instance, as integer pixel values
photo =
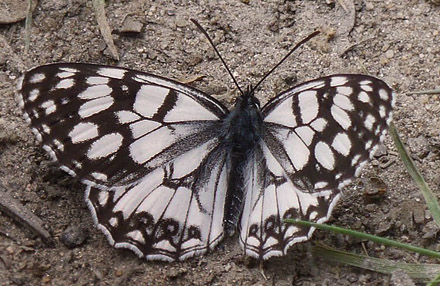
(424, 272)
(431, 200)
(435, 281)
(360, 235)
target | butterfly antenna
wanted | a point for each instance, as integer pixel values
(218, 54)
(303, 41)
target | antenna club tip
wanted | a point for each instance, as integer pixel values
(314, 34)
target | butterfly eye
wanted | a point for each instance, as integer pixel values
(255, 102)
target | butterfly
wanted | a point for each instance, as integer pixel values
(169, 169)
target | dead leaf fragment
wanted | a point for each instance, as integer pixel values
(12, 11)
(191, 79)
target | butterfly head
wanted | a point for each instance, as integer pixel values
(243, 123)
(248, 99)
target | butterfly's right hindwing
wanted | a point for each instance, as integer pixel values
(270, 198)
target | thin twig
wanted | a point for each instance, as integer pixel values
(429, 91)
(6, 234)
(106, 33)
(22, 215)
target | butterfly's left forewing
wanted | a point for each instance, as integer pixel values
(146, 147)
(315, 139)
(102, 123)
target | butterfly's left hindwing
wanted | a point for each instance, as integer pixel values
(147, 147)
(170, 214)
(315, 139)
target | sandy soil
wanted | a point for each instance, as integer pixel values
(393, 40)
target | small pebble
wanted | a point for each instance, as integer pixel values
(131, 25)
(371, 208)
(10, 249)
(375, 189)
(98, 273)
(419, 146)
(381, 151)
(389, 54)
(228, 267)
(383, 227)
(383, 60)
(181, 22)
(46, 279)
(14, 11)
(74, 236)
(369, 6)
(419, 216)
(119, 272)
(430, 230)
(175, 273)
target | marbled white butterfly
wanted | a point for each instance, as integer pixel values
(168, 168)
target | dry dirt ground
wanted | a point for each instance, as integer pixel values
(397, 41)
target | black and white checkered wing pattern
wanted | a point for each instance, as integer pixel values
(316, 137)
(147, 147)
